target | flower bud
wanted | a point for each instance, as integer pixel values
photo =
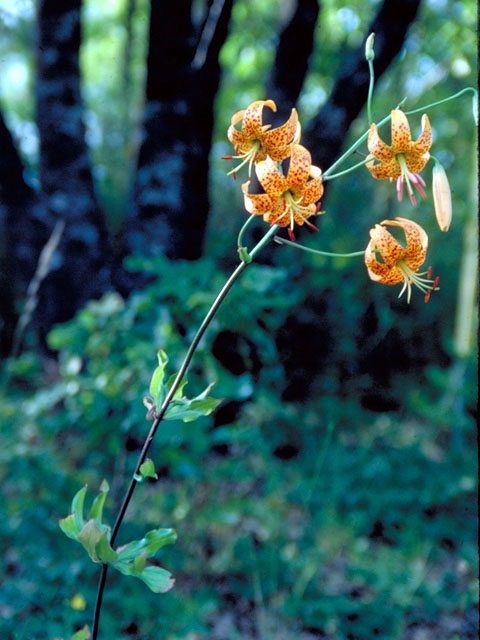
(369, 52)
(442, 198)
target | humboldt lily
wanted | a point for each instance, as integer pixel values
(399, 263)
(286, 199)
(255, 141)
(403, 159)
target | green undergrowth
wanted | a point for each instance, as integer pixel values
(316, 501)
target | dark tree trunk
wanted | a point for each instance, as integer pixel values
(294, 48)
(83, 270)
(171, 192)
(326, 133)
(24, 229)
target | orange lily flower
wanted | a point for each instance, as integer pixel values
(255, 141)
(404, 159)
(286, 199)
(400, 264)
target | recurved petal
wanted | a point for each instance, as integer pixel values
(380, 271)
(377, 146)
(416, 163)
(387, 169)
(313, 190)
(416, 239)
(252, 119)
(401, 136)
(388, 247)
(299, 169)
(281, 136)
(257, 203)
(271, 178)
(237, 117)
(238, 138)
(424, 141)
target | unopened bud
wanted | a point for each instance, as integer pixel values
(475, 107)
(442, 197)
(369, 52)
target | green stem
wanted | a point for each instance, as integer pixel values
(370, 91)
(363, 137)
(178, 378)
(434, 104)
(355, 145)
(280, 240)
(342, 173)
(243, 229)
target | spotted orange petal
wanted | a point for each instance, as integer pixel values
(401, 136)
(277, 141)
(314, 188)
(388, 247)
(424, 140)
(271, 178)
(299, 169)
(377, 146)
(388, 169)
(416, 163)
(278, 215)
(259, 204)
(252, 119)
(416, 241)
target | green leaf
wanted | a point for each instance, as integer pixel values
(187, 409)
(83, 634)
(96, 510)
(77, 507)
(147, 469)
(89, 536)
(104, 551)
(69, 526)
(150, 544)
(156, 383)
(157, 579)
(179, 392)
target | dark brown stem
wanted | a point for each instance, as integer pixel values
(146, 446)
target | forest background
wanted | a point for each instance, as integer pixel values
(333, 492)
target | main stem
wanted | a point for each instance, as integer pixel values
(181, 372)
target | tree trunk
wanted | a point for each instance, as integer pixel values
(83, 270)
(171, 191)
(326, 133)
(25, 229)
(295, 46)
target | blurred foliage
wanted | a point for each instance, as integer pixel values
(338, 506)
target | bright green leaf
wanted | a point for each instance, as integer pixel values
(69, 526)
(104, 551)
(96, 510)
(156, 383)
(157, 579)
(150, 544)
(147, 469)
(179, 392)
(187, 409)
(83, 634)
(77, 507)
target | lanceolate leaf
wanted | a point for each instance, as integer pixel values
(77, 507)
(88, 537)
(104, 551)
(96, 510)
(69, 526)
(151, 543)
(189, 409)
(156, 383)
